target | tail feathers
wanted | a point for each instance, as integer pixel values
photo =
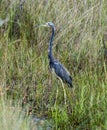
(70, 82)
(70, 85)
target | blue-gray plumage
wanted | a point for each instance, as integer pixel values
(55, 65)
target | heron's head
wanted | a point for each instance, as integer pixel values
(49, 24)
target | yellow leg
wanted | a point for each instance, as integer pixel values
(57, 91)
(56, 95)
(64, 91)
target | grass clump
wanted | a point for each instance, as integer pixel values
(12, 117)
(79, 44)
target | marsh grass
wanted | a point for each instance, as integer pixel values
(78, 44)
(12, 117)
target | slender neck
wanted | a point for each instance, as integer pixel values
(50, 55)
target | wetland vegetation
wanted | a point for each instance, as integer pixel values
(28, 89)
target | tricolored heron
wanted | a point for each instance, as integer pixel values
(61, 72)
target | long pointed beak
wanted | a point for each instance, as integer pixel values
(44, 25)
